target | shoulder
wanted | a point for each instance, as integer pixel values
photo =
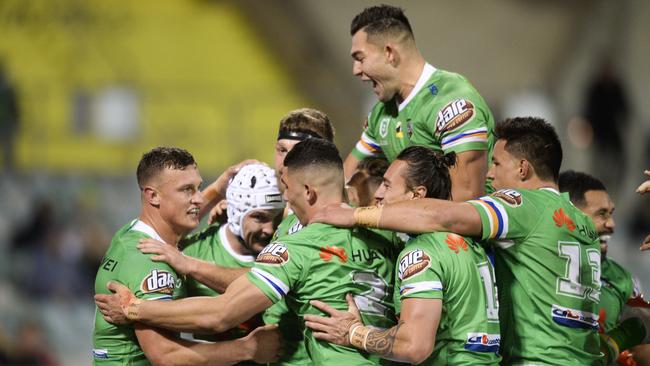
(209, 234)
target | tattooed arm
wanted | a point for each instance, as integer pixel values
(411, 340)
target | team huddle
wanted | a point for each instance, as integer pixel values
(444, 238)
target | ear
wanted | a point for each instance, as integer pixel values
(151, 195)
(392, 56)
(526, 170)
(419, 192)
(310, 194)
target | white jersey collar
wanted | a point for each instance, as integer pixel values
(551, 190)
(144, 228)
(226, 245)
(424, 76)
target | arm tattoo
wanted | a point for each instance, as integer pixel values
(381, 341)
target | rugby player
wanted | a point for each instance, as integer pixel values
(169, 183)
(364, 182)
(444, 284)
(317, 262)
(418, 103)
(547, 253)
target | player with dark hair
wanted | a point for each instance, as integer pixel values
(169, 184)
(620, 295)
(418, 104)
(444, 284)
(547, 254)
(366, 179)
(317, 262)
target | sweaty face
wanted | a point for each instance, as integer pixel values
(394, 188)
(282, 148)
(258, 227)
(180, 197)
(370, 64)
(504, 171)
(600, 207)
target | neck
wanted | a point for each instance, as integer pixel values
(161, 227)
(409, 75)
(536, 183)
(236, 243)
(321, 203)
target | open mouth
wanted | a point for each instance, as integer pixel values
(194, 212)
(604, 238)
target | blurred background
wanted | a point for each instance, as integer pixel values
(87, 86)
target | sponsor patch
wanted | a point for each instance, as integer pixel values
(561, 219)
(433, 89)
(383, 127)
(483, 342)
(158, 281)
(454, 115)
(456, 243)
(413, 263)
(274, 253)
(100, 353)
(326, 253)
(271, 198)
(574, 318)
(398, 130)
(509, 196)
(409, 127)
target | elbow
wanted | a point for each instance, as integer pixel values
(418, 352)
(212, 324)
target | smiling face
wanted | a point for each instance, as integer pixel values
(394, 187)
(371, 64)
(180, 197)
(258, 227)
(600, 207)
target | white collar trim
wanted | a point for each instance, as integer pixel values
(551, 190)
(424, 76)
(144, 228)
(226, 245)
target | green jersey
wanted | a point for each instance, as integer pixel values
(115, 345)
(322, 262)
(457, 271)
(547, 261)
(617, 287)
(443, 112)
(290, 324)
(212, 245)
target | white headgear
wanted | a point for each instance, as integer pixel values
(255, 187)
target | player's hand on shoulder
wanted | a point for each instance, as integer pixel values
(646, 243)
(114, 308)
(645, 186)
(165, 253)
(264, 343)
(341, 215)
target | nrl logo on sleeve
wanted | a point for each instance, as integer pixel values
(383, 127)
(509, 196)
(274, 253)
(413, 263)
(158, 281)
(454, 115)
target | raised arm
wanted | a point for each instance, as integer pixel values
(216, 191)
(468, 175)
(239, 303)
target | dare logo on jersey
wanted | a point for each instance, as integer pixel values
(158, 281)
(274, 253)
(456, 243)
(413, 263)
(454, 115)
(509, 196)
(562, 218)
(326, 253)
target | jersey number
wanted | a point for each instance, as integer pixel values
(572, 284)
(371, 301)
(492, 304)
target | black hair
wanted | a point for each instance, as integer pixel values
(577, 184)
(313, 152)
(159, 158)
(428, 168)
(382, 19)
(535, 140)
